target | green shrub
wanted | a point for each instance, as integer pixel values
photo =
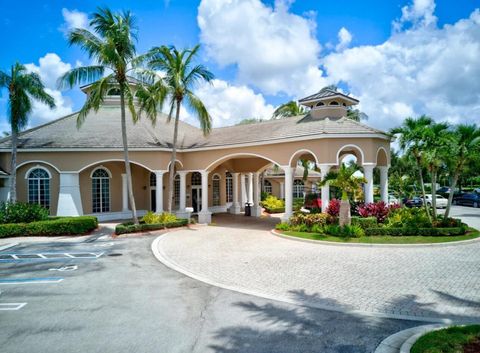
(309, 219)
(129, 227)
(317, 228)
(364, 223)
(282, 226)
(333, 230)
(154, 218)
(413, 231)
(408, 217)
(275, 210)
(51, 227)
(298, 204)
(272, 202)
(352, 231)
(300, 228)
(21, 212)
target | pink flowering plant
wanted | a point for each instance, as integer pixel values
(379, 210)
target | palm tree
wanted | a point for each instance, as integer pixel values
(22, 87)
(180, 76)
(437, 142)
(111, 45)
(289, 109)
(412, 133)
(465, 149)
(347, 182)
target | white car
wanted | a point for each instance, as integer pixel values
(441, 201)
(392, 200)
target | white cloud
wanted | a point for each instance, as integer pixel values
(419, 13)
(50, 68)
(344, 39)
(272, 48)
(73, 19)
(229, 104)
(423, 70)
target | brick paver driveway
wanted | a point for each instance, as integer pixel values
(429, 283)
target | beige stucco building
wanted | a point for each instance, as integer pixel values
(77, 171)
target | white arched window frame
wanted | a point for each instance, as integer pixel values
(39, 186)
(320, 104)
(298, 188)
(100, 190)
(267, 186)
(229, 186)
(334, 103)
(216, 190)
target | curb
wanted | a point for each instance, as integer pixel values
(402, 341)
(8, 246)
(164, 259)
(332, 243)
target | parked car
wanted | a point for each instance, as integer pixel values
(441, 202)
(468, 199)
(392, 200)
(413, 202)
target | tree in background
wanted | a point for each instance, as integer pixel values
(23, 87)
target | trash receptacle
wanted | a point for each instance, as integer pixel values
(248, 209)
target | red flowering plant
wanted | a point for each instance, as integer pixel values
(379, 210)
(333, 208)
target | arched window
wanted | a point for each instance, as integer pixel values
(319, 104)
(196, 178)
(333, 103)
(229, 186)
(39, 187)
(298, 189)
(153, 179)
(113, 92)
(216, 190)
(100, 190)
(267, 186)
(176, 190)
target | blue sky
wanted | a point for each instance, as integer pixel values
(408, 42)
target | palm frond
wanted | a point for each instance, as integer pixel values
(80, 76)
(197, 106)
(95, 98)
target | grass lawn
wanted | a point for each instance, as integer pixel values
(450, 340)
(384, 239)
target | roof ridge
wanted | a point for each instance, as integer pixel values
(345, 118)
(265, 121)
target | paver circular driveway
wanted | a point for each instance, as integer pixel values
(426, 283)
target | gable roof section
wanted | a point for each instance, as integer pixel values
(327, 93)
(102, 130)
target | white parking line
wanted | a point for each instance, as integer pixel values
(12, 306)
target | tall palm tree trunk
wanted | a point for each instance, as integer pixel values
(171, 171)
(13, 167)
(422, 185)
(128, 170)
(434, 192)
(452, 191)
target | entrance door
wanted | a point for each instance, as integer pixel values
(196, 199)
(153, 200)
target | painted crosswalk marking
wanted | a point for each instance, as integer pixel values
(49, 256)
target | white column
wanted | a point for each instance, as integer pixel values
(204, 216)
(124, 193)
(159, 191)
(368, 173)
(288, 192)
(235, 208)
(324, 169)
(243, 190)
(69, 199)
(384, 183)
(257, 209)
(282, 190)
(250, 189)
(183, 190)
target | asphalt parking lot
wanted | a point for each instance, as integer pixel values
(117, 297)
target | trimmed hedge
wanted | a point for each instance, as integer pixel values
(365, 222)
(426, 232)
(51, 227)
(142, 227)
(274, 210)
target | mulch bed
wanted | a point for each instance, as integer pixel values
(472, 347)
